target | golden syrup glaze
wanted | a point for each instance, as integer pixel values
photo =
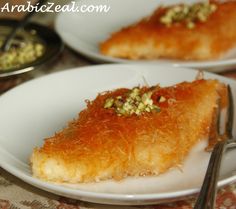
(207, 40)
(128, 145)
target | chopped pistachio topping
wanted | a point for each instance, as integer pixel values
(162, 99)
(189, 14)
(15, 57)
(109, 103)
(25, 48)
(134, 103)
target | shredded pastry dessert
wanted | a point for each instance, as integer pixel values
(130, 132)
(202, 31)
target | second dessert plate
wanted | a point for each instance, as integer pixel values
(84, 31)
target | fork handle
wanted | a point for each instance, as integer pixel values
(206, 198)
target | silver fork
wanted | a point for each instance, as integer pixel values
(206, 197)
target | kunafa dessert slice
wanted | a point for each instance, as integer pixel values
(130, 132)
(200, 31)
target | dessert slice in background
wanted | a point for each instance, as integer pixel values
(202, 31)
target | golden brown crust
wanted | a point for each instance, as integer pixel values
(150, 39)
(102, 145)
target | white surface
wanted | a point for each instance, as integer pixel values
(39, 108)
(84, 31)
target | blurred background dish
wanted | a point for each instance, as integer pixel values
(31, 48)
(81, 34)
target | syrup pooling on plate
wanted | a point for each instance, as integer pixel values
(25, 48)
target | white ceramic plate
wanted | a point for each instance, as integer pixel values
(39, 108)
(84, 31)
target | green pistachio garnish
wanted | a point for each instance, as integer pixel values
(23, 54)
(109, 103)
(133, 103)
(162, 99)
(188, 14)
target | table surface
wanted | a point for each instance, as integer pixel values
(15, 194)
